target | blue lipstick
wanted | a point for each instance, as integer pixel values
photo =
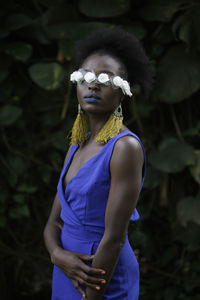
(92, 97)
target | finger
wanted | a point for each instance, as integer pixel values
(76, 285)
(90, 270)
(90, 279)
(87, 284)
(86, 257)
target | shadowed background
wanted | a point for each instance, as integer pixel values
(37, 109)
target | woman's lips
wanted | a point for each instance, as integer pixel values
(91, 100)
(92, 97)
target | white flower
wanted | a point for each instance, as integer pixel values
(123, 84)
(117, 81)
(89, 77)
(103, 78)
(76, 76)
(126, 88)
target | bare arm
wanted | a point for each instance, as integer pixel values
(126, 174)
(53, 228)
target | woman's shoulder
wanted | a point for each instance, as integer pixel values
(68, 153)
(130, 140)
(127, 155)
(128, 145)
(127, 149)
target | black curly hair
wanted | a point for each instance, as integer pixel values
(125, 48)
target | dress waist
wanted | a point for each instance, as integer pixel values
(83, 232)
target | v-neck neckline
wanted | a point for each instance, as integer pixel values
(70, 159)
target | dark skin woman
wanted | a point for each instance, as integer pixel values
(126, 167)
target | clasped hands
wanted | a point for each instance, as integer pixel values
(73, 266)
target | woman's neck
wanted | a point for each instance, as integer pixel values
(96, 122)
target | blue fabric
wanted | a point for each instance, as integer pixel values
(83, 205)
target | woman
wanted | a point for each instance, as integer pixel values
(102, 176)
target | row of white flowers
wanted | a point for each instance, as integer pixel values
(103, 78)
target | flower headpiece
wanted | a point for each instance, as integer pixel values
(102, 78)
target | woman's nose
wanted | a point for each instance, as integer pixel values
(93, 86)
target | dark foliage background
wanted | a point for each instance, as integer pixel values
(38, 107)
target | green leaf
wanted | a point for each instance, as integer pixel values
(75, 30)
(178, 75)
(17, 21)
(195, 169)
(152, 178)
(193, 131)
(186, 27)
(5, 63)
(9, 114)
(37, 32)
(173, 156)
(27, 188)
(47, 75)
(104, 8)
(19, 212)
(19, 198)
(19, 50)
(188, 209)
(158, 10)
(56, 14)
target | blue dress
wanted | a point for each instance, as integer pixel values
(83, 205)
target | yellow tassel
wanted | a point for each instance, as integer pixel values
(79, 129)
(110, 129)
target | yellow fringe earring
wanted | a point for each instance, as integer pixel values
(80, 128)
(112, 126)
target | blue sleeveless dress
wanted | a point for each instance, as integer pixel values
(83, 205)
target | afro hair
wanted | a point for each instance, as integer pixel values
(124, 47)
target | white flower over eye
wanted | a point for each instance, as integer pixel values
(123, 84)
(76, 76)
(126, 88)
(90, 77)
(117, 81)
(103, 78)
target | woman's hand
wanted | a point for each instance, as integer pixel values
(73, 266)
